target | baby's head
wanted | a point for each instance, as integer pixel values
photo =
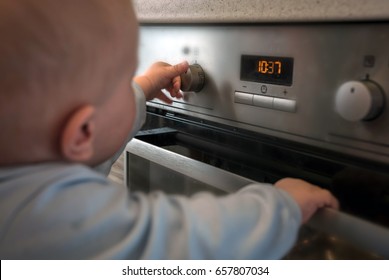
(65, 79)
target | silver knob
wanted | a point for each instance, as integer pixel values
(193, 79)
(359, 101)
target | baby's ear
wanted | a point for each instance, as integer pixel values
(76, 142)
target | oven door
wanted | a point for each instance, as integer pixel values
(171, 168)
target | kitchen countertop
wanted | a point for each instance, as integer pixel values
(244, 11)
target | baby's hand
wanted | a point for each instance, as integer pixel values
(309, 197)
(162, 76)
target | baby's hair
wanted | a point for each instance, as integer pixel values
(50, 44)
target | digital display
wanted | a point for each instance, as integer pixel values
(267, 69)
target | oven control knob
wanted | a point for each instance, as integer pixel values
(193, 79)
(359, 101)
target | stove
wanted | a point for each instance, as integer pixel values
(267, 101)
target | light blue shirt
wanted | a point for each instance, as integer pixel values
(70, 211)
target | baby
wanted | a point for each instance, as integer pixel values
(68, 104)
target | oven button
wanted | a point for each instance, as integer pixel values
(359, 101)
(263, 101)
(193, 79)
(286, 105)
(243, 98)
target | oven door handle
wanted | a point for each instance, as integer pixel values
(366, 235)
(185, 166)
(361, 233)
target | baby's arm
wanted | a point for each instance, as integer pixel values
(159, 76)
(162, 76)
(308, 197)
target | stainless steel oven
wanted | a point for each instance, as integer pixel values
(266, 101)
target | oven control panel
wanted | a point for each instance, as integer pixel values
(325, 84)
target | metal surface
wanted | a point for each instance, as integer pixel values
(368, 237)
(325, 57)
(186, 167)
(363, 234)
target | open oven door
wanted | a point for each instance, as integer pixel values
(328, 235)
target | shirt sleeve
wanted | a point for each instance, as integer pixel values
(85, 216)
(140, 117)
